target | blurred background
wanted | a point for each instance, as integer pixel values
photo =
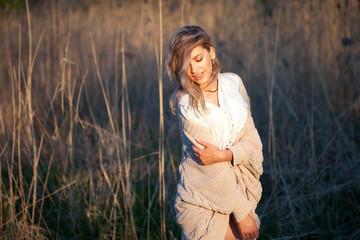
(87, 153)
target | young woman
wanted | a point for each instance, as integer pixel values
(219, 185)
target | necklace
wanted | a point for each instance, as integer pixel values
(212, 91)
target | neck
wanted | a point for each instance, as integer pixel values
(211, 87)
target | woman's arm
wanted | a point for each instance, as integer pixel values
(239, 154)
(248, 228)
(212, 186)
(211, 154)
(248, 145)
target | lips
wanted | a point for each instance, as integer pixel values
(198, 76)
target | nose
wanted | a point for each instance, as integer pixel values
(193, 68)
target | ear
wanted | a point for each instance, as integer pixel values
(212, 53)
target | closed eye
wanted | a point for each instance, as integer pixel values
(199, 59)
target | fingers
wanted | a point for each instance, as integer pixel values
(250, 236)
(207, 155)
(196, 149)
(247, 236)
(201, 142)
(197, 154)
(248, 228)
(244, 237)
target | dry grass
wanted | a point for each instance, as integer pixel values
(88, 148)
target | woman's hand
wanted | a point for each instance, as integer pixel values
(211, 154)
(248, 228)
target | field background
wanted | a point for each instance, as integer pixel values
(87, 153)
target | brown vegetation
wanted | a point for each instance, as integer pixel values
(85, 154)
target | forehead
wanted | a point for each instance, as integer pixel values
(198, 51)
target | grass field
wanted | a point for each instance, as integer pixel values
(90, 150)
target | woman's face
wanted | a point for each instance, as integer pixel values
(200, 66)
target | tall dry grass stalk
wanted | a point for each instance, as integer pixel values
(88, 149)
(162, 188)
(124, 158)
(30, 127)
(271, 132)
(126, 133)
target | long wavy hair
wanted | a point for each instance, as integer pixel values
(180, 47)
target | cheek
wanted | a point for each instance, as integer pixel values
(209, 64)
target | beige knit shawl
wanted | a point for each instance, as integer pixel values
(207, 195)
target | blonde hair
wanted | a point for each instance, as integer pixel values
(180, 47)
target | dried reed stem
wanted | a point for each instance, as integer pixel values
(1, 199)
(126, 133)
(42, 199)
(183, 3)
(108, 107)
(30, 115)
(21, 185)
(161, 131)
(11, 166)
(272, 138)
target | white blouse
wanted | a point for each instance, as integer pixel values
(224, 121)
